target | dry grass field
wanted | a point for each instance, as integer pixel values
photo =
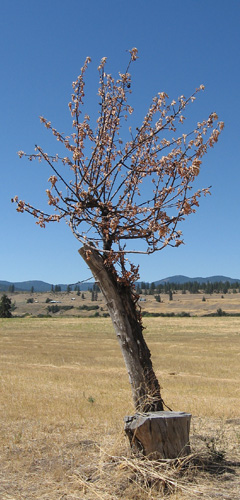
(64, 392)
(190, 303)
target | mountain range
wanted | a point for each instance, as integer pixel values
(42, 286)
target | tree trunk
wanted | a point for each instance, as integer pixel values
(128, 327)
(162, 434)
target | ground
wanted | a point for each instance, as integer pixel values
(64, 394)
(190, 303)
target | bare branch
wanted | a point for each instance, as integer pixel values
(140, 189)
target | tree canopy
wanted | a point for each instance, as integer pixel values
(121, 189)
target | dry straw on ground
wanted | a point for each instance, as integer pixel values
(65, 391)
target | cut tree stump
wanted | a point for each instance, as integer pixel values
(160, 434)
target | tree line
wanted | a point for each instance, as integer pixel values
(152, 288)
(190, 286)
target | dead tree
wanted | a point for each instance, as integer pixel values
(124, 190)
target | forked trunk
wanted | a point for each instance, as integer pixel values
(128, 328)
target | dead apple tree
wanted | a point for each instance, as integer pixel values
(127, 184)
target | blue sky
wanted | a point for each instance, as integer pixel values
(181, 45)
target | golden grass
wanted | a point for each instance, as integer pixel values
(64, 392)
(191, 303)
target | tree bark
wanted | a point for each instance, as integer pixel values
(128, 327)
(163, 434)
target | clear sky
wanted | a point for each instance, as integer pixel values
(181, 44)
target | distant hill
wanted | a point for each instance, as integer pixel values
(41, 286)
(185, 279)
(38, 286)
(25, 286)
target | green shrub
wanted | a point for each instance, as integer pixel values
(183, 314)
(88, 308)
(220, 312)
(54, 309)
